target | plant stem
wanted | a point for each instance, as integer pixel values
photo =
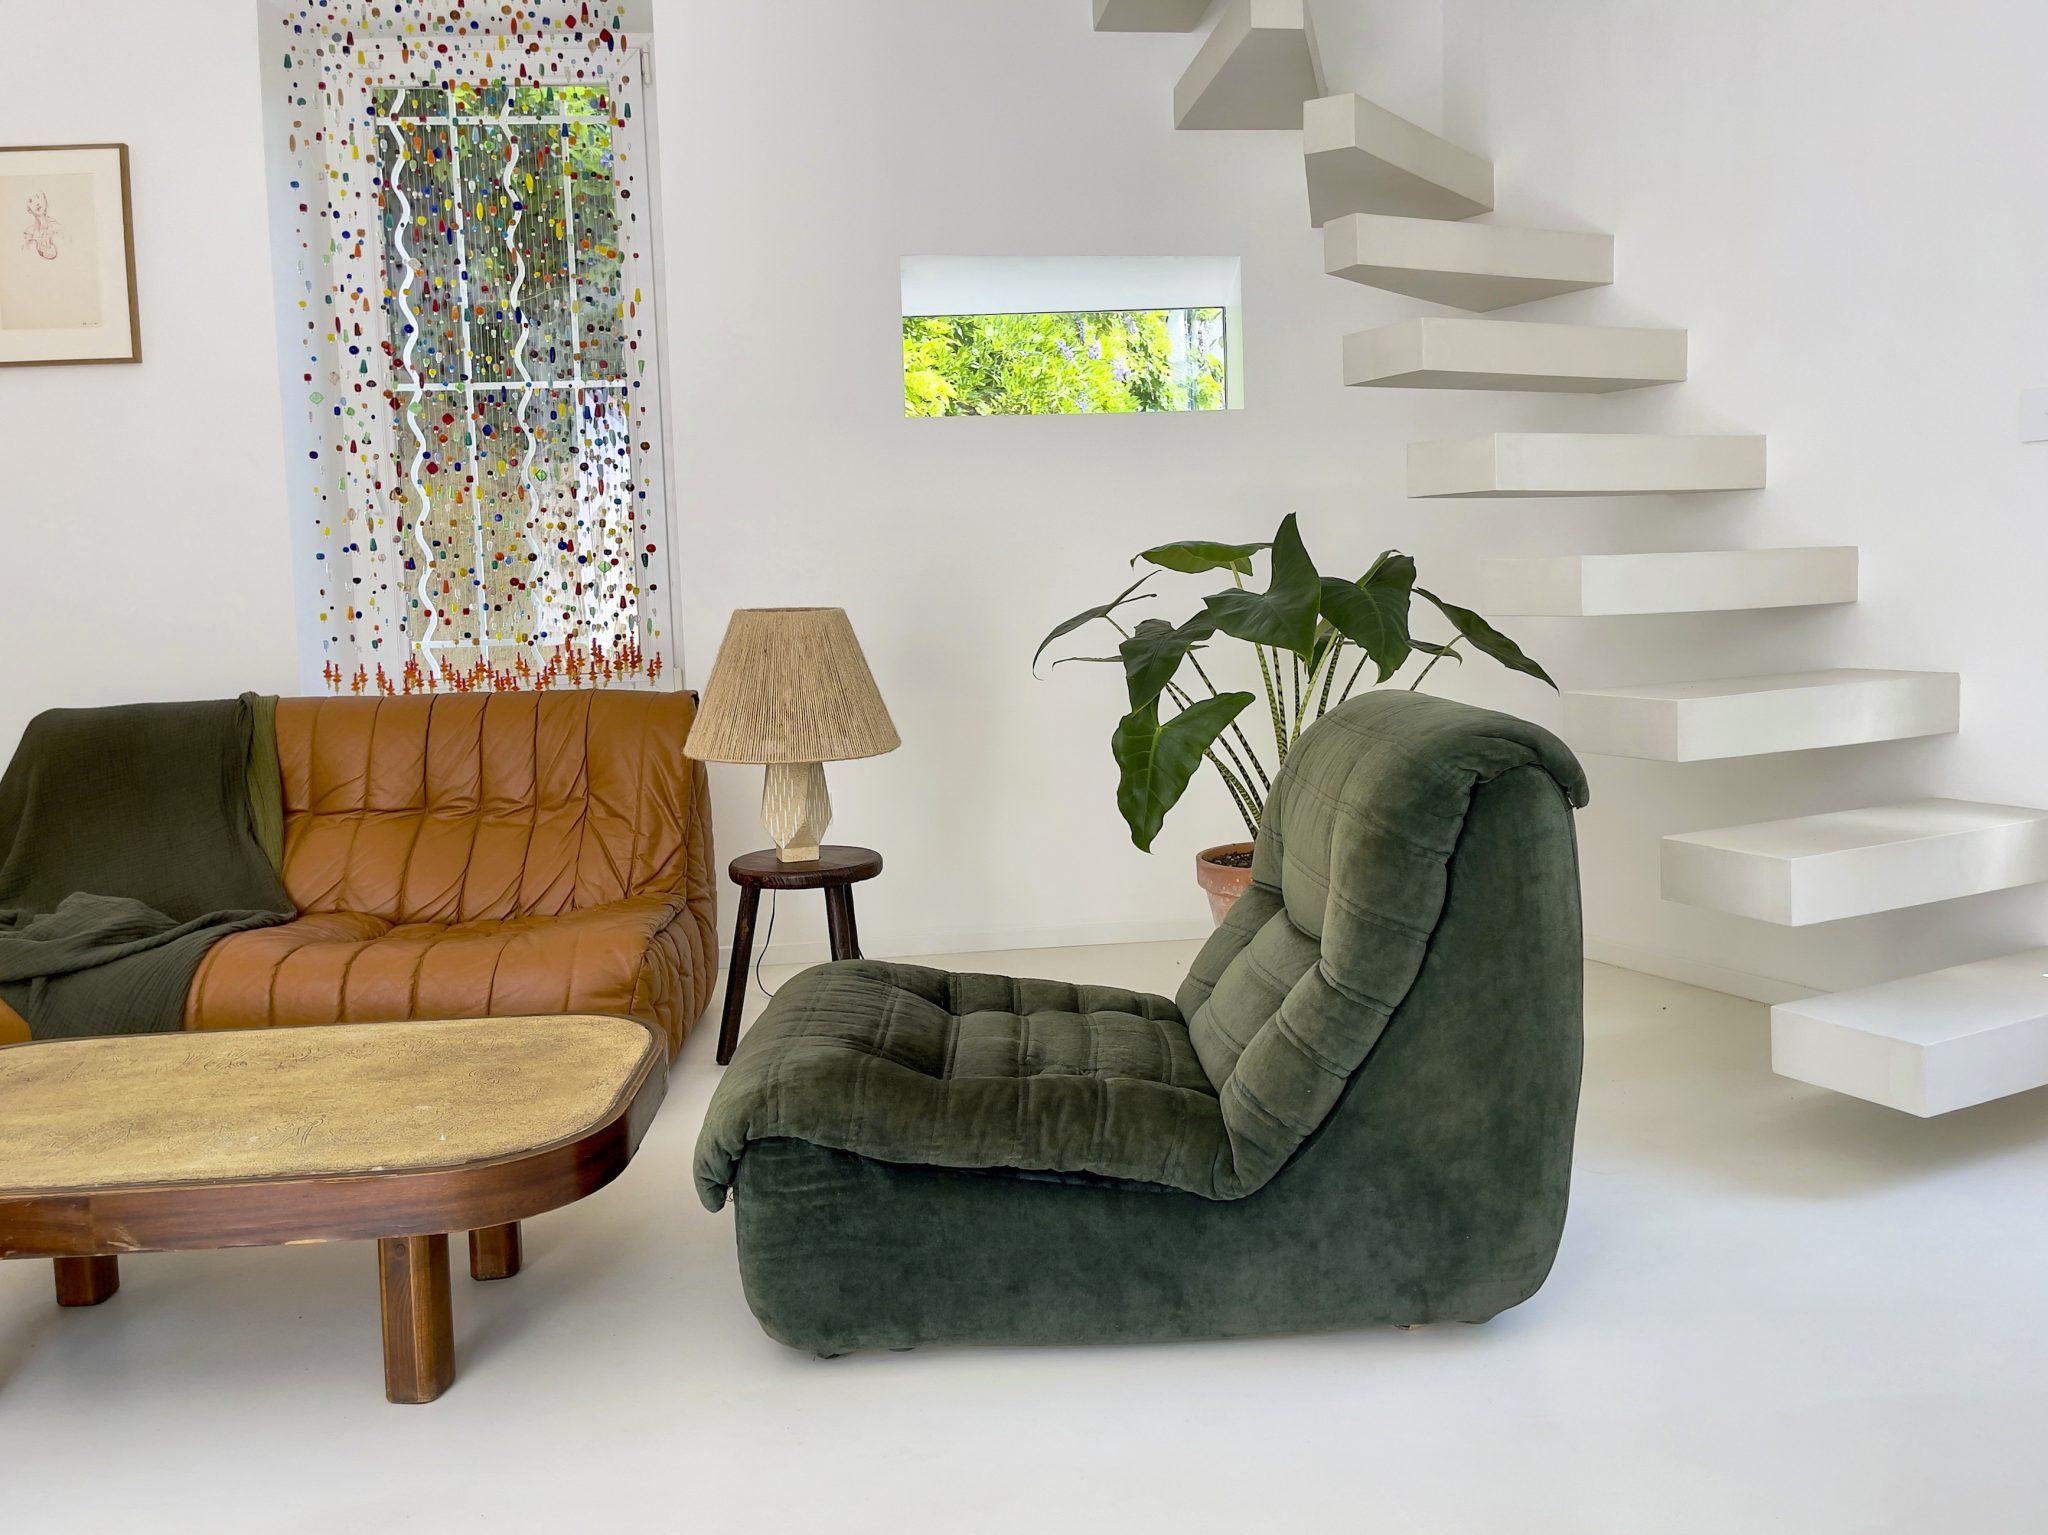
(1238, 795)
(1432, 663)
(1329, 676)
(1273, 704)
(1236, 729)
(1240, 785)
(1353, 682)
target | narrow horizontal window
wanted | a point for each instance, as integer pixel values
(1068, 336)
(1108, 360)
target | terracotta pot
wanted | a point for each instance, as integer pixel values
(1221, 883)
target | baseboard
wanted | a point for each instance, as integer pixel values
(884, 944)
(1694, 972)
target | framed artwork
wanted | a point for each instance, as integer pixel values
(67, 256)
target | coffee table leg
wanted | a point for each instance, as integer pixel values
(87, 1281)
(419, 1328)
(736, 977)
(494, 1252)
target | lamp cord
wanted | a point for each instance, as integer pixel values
(761, 952)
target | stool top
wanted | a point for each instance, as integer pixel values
(832, 867)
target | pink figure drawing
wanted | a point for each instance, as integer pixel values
(43, 232)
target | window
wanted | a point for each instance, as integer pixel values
(1037, 336)
(488, 501)
(1063, 364)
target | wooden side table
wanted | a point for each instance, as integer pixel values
(836, 870)
(396, 1132)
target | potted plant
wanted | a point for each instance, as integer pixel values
(1301, 630)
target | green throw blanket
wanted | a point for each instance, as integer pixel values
(129, 845)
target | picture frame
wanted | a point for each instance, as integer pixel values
(67, 256)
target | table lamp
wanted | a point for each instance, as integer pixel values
(791, 689)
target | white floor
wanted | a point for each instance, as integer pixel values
(1776, 1310)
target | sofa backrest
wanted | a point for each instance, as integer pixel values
(1349, 880)
(466, 807)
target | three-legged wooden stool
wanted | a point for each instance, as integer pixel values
(836, 870)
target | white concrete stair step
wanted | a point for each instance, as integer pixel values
(1256, 69)
(1927, 1044)
(1361, 158)
(1584, 464)
(1754, 716)
(1706, 581)
(1853, 863)
(1467, 266)
(1456, 353)
(1149, 15)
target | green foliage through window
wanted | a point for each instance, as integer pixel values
(1104, 361)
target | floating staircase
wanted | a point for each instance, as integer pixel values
(1583, 464)
(1513, 355)
(1754, 716)
(1712, 581)
(1928, 1044)
(1393, 201)
(1466, 266)
(1361, 158)
(1853, 863)
(1149, 15)
(1257, 69)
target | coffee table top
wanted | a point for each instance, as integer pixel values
(220, 1139)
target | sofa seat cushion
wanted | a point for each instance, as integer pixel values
(904, 1064)
(349, 967)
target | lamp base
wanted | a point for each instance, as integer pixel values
(796, 809)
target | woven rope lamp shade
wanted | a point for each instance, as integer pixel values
(791, 689)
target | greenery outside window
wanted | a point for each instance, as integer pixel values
(1084, 362)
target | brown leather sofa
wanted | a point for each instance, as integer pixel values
(474, 854)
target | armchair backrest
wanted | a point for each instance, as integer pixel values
(486, 806)
(1349, 881)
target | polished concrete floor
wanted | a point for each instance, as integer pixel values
(1776, 1310)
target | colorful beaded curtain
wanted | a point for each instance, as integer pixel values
(478, 345)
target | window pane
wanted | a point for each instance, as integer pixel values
(522, 524)
(420, 259)
(1064, 364)
(518, 252)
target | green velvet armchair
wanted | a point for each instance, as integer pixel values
(1357, 1110)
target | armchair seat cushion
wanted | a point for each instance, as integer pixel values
(903, 1064)
(626, 957)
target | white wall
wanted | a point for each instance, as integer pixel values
(806, 149)
(1847, 205)
(1849, 218)
(143, 550)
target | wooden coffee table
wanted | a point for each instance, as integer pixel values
(398, 1132)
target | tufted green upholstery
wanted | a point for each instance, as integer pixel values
(1358, 1107)
(915, 1065)
(1348, 879)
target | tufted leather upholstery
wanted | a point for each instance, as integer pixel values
(458, 856)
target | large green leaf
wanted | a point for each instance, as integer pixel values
(1154, 653)
(1089, 616)
(1487, 640)
(1373, 613)
(1284, 614)
(1192, 556)
(1155, 761)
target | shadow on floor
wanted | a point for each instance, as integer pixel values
(1685, 1076)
